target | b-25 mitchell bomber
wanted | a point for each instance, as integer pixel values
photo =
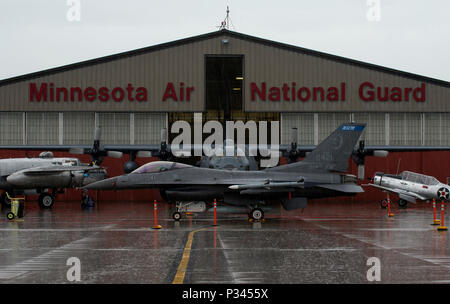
(321, 174)
(410, 186)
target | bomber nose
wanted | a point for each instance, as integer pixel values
(106, 184)
(15, 179)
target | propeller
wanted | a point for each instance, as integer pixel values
(293, 154)
(96, 152)
(359, 157)
(163, 153)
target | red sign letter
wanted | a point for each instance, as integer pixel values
(35, 93)
(261, 94)
(170, 92)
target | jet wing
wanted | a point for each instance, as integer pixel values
(269, 185)
(400, 192)
(291, 186)
(347, 188)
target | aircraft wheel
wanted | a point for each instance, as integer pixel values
(402, 203)
(46, 200)
(384, 204)
(176, 216)
(257, 214)
(10, 216)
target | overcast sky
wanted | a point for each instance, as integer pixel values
(411, 35)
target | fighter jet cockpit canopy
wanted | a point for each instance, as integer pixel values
(46, 154)
(159, 166)
(419, 178)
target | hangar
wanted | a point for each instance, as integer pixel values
(227, 76)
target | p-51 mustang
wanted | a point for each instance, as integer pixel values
(39, 175)
(410, 186)
(320, 174)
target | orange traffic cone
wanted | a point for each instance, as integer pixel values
(155, 213)
(389, 206)
(442, 227)
(435, 221)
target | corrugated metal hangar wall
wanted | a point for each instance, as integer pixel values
(129, 95)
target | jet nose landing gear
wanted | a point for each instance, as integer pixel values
(176, 216)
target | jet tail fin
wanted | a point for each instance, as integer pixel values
(333, 153)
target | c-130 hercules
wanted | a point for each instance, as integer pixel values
(320, 174)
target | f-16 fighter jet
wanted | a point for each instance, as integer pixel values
(410, 186)
(321, 174)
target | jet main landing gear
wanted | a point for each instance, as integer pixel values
(256, 214)
(402, 203)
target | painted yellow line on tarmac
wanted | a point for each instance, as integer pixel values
(181, 271)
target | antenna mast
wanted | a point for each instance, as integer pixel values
(226, 23)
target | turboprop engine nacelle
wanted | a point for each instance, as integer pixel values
(22, 180)
(63, 179)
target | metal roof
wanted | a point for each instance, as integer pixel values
(225, 32)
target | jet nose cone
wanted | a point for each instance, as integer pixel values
(106, 184)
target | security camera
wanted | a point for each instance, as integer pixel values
(224, 41)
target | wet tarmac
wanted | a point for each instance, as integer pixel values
(327, 243)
